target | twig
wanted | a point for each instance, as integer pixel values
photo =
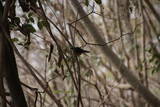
(88, 43)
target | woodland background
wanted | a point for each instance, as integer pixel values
(39, 69)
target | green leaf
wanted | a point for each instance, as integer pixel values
(11, 26)
(41, 24)
(98, 1)
(31, 19)
(28, 28)
(86, 2)
(14, 39)
(17, 20)
(30, 14)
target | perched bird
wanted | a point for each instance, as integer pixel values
(78, 51)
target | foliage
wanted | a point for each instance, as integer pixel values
(154, 60)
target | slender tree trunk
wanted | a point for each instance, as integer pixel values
(8, 67)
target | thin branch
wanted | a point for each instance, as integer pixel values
(114, 40)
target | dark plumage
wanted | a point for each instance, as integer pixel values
(78, 51)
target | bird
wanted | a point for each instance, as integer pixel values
(78, 51)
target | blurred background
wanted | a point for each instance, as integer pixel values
(131, 28)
